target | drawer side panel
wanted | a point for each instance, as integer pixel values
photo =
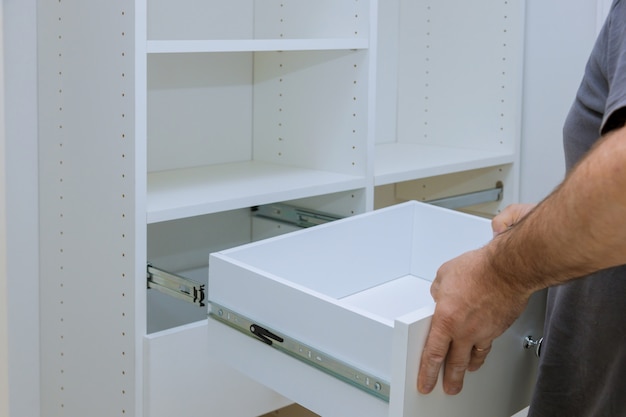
(309, 317)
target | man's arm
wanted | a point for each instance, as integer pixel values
(580, 228)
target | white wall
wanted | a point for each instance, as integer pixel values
(559, 37)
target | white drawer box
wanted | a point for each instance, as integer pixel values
(352, 298)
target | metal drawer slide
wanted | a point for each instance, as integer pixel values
(176, 286)
(311, 356)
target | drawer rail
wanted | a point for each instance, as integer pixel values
(176, 286)
(470, 199)
(309, 355)
(296, 216)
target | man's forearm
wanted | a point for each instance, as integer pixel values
(580, 228)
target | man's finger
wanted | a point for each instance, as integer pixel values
(457, 363)
(478, 357)
(433, 356)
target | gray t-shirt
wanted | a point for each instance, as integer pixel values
(582, 369)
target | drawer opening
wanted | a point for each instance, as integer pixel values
(182, 247)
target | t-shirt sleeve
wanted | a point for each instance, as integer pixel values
(615, 111)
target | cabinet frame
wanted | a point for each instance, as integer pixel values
(104, 200)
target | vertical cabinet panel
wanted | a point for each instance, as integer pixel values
(87, 209)
(4, 312)
(19, 341)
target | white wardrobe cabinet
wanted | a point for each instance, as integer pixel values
(171, 130)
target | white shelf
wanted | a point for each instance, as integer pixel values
(190, 192)
(254, 45)
(397, 162)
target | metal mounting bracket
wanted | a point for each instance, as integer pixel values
(297, 216)
(469, 199)
(176, 286)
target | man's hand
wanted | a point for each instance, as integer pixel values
(509, 217)
(473, 308)
(578, 229)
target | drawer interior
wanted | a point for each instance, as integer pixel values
(370, 259)
(339, 287)
(393, 298)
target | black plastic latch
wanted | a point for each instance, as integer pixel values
(264, 335)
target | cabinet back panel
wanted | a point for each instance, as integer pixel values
(186, 243)
(199, 109)
(244, 19)
(344, 204)
(311, 109)
(459, 72)
(199, 19)
(294, 19)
